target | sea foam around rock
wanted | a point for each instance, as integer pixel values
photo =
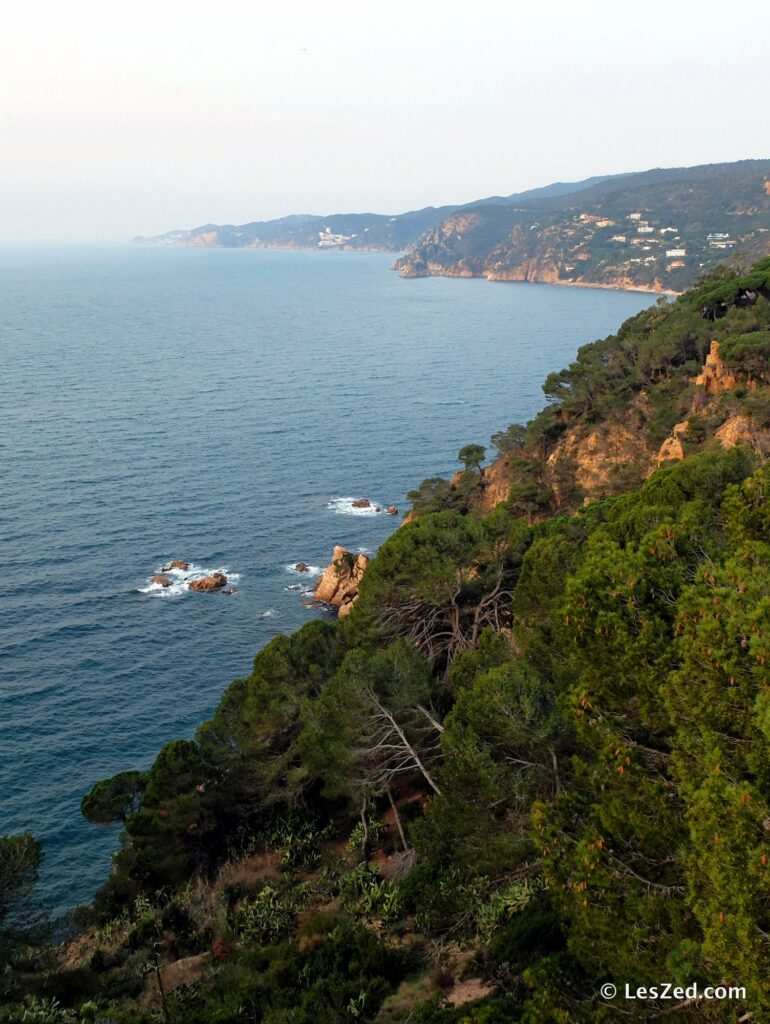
(181, 578)
(344, 506)
(309, 573)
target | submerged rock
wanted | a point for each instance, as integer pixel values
(207, 584)
(339, 584)
(162, 581)
(176, 564)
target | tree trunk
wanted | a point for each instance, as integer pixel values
(398, 821)
(365, 825)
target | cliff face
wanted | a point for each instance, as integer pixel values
(594, 458)
(715, 377)
(599, 456)
(598, 461)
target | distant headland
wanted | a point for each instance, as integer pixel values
(657, 230)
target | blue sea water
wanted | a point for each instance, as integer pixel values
(211, 405)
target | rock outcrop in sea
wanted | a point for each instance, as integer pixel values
(208, 584)
(339, 583)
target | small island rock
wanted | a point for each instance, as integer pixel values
(361, 503)
(176, 564)
(163, 581)
(302, 567)
(391, 510)
(207, 584)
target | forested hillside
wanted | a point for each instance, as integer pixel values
(534, 759)
(660, 229)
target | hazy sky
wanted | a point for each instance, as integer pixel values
(123, 119)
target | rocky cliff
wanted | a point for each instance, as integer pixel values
(678, 379)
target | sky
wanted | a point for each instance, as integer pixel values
(126, 119)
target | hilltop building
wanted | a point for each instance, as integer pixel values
(327, 239)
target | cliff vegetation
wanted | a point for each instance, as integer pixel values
(532, 759)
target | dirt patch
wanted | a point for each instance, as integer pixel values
(409, 994)
(469, 991)
(179, 974)
(258, 867)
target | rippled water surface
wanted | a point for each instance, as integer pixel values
(214, 406)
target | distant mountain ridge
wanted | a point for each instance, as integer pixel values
(656, 230)
(350, 231)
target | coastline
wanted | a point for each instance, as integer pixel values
(368, 250)
(516, 276)
(584, 284)
(620, 286)
(281, 247)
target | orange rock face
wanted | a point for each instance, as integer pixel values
(715, 377)
(672, 448)
(339, 584)
(207, 584)
(737, 430)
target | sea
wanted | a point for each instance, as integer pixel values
(222, 407)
